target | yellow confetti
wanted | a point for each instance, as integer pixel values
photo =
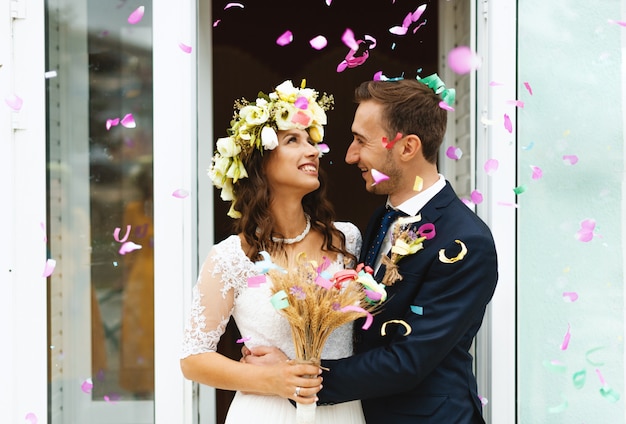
(443, 258)
(418, 185)
(395, 321)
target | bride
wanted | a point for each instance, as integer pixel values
(268, 167)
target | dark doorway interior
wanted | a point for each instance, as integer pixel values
(247, 59)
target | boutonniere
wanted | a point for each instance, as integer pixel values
(406, 240)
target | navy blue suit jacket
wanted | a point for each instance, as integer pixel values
(425, 376)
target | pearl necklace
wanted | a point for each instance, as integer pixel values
(298, 238)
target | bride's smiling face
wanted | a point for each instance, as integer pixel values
(292, 167)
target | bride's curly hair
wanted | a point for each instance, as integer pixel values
(252, 199)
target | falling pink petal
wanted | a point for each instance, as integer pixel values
(136, 16)
(463, 60)
(530, 90)
(372, 41)
(418, 13)
(516, 103)
(570, 296)
(491, 166)
(483, 400)
(328, 2)
(620, 23)
(407, 21)
(116, 234)
(301, 103)
(537, 172)
(49, 268)
(87, 386)
(128, 121)
(477, 197)
(128, 247)
(467, 202)
(216, 23)
(507, 204)
(495, 84)
(600, 377)
(398, 30)
(419, 26)
(348, 40)
(256, 280)
(15, 102)
(180, 193)
(343, 65)
(507, 123)
(43, 228)
(319, 42)
(585, 234)
(571, 159)
(243, 339)
(588, 224)
(112, 123)
(445, 106)
(323, 148)
(372, 295)
(32, 418)
(229, 5)
(184, 47)
(566, 338)
(111, 397)
(285, 38)
(454, 153)
(378, 176)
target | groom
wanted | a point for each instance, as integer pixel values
(413, 364)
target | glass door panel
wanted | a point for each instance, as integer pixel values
(100, 209)
(570, 242)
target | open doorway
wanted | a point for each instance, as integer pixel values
(246, 59)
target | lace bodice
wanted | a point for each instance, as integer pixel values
(222, 291)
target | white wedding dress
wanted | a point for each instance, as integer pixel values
(222, 291)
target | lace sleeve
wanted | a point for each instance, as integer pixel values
(353, 237)
(222, 276)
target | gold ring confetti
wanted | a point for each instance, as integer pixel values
(443, 258)
(395, 321)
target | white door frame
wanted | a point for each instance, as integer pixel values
(497, 45)
(175, 219)
(23, 303)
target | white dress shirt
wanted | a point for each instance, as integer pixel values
(410, 207)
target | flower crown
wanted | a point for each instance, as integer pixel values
(254, 126)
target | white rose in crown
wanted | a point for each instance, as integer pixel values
(254, 115)
(227, 147)
(269, 139)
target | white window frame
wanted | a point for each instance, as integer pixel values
(175, 220)
(23, 300)
(497, 38)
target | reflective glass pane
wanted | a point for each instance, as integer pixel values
(570, 270)
(101, 295)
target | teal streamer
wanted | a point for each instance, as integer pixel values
(434, 82)
(279, 300)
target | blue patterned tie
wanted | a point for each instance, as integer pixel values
(388, 218)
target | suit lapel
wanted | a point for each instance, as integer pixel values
(429, 213)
